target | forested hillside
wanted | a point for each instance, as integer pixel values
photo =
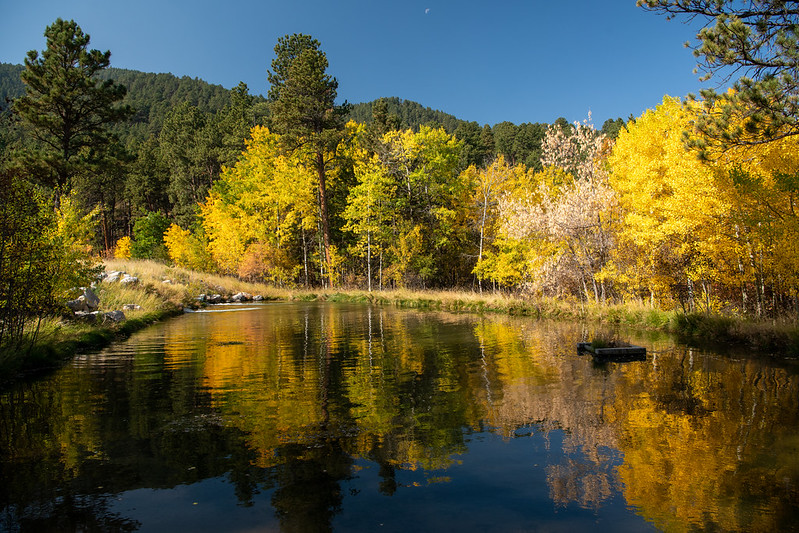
(150, 95)
(411, 114)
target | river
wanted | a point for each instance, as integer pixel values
(347, 417)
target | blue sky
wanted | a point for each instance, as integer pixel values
(520, 61)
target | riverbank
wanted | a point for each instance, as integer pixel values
(163, 291)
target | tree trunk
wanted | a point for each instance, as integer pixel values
(320, 168)
(305, 257)
(482, 233)
(369, 261)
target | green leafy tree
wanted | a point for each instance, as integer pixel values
(368, 213)
(44, 255)
(148, 237)
(304, 112)
(67, 109)
(758, 39)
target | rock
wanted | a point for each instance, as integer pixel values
(214, 299)
(113, 316)
(114, 276)
(167, 281)
(241, 297)
(131, 307)
(201, 298)
(129, 280)
(86, 316)
(91, 299)
(257, 298)
(77, 305)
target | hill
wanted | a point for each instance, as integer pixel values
(11, 85)
(153, 95)
(411, 114)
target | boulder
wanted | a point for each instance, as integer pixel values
(241, 297)
(90, 298)
(129, 280)
(257, 298)
(113, 276)
(86, 316)
(214, 299)
(131, 307)
(78, 305)
(113, 316)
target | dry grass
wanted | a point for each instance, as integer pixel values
(183, 285)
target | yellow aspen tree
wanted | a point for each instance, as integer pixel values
(761, 181)
(257, 210)
(487, 186)
(676, 220)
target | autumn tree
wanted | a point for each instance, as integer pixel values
(368, 212)
(429, 215)
(676, 237)
(569, 215)
(758, 40)
(305, 113)
(66, 108)
(255, 216)
(488, 186)
(44, 255)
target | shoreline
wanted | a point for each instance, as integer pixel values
(164, 292)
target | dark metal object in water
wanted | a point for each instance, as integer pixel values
(613, 353)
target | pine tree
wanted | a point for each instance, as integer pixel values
(305, 113)
(67, 109)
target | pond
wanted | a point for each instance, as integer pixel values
(344, 417)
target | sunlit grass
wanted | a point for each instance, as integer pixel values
(181, 286)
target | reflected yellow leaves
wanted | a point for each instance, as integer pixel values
(700, 446)
(691, 441)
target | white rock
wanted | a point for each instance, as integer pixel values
(114, 276)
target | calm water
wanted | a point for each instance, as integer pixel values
(317, 417)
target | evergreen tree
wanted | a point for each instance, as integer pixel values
(758, 39)
(304, 111)
(66, 108)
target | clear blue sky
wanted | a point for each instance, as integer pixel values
(521, 61)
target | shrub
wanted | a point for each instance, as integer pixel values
(148, 237)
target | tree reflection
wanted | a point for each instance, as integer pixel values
(287, 401)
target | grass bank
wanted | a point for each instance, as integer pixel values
(164, 291)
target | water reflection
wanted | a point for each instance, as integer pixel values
(340, 416)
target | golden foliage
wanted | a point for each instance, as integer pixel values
(122, 248)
